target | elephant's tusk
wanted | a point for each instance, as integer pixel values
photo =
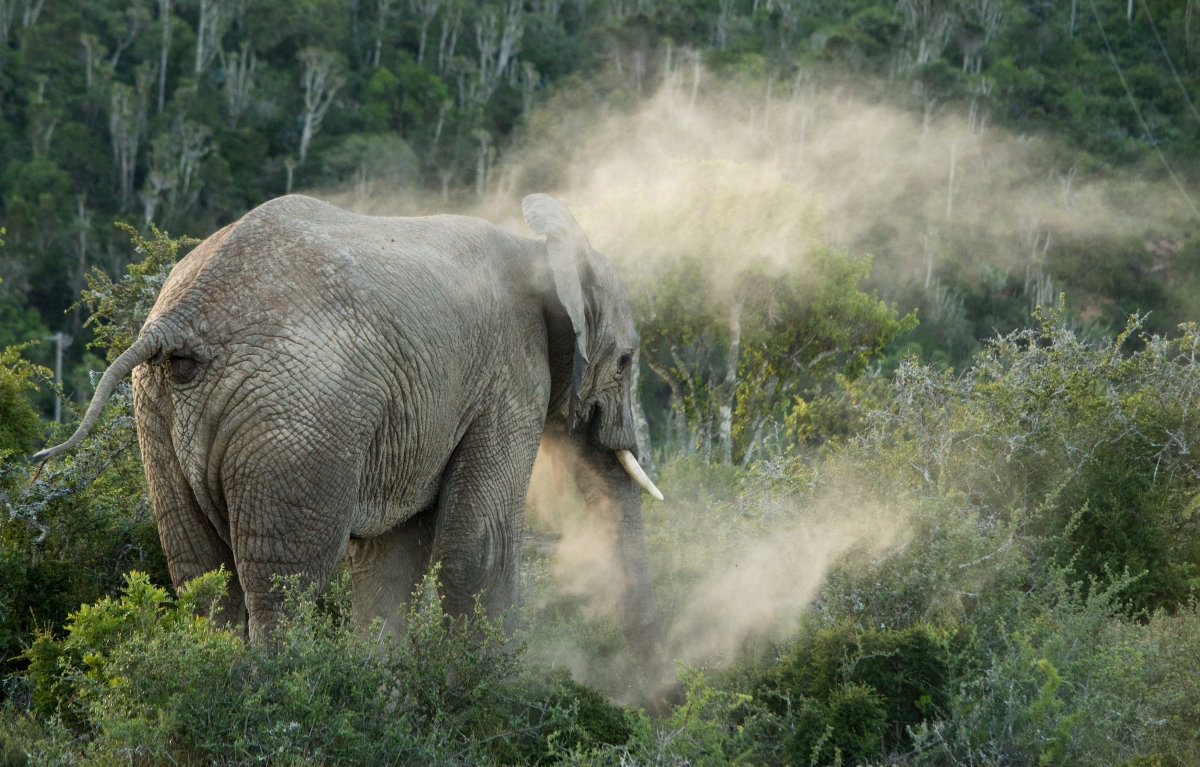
(634, 470)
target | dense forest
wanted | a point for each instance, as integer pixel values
(188, 114)
(915, 283)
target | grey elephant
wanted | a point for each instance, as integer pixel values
(312, 383)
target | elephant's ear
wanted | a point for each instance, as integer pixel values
(567, 249)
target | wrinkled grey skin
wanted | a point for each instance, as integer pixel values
(317, 383)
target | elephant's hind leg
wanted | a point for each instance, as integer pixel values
(388, 568)
(478, 534)
(191, 543)
(290, 506)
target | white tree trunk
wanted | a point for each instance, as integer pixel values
(728, 388)
(164, 15)
(321, 81)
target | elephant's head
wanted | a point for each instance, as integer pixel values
(600, 405)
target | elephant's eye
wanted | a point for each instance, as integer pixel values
(182, 369)
(623, 363)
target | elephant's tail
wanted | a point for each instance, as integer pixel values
(145, 348)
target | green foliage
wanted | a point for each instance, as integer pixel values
(142, 673)
(872, 686)
(118, 309)
(1091, 439)
(70, 533)
(20, 426)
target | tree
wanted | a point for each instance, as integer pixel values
(497, 45)
(321, 79)
(209, 31)
(126, 123)
(239, 82)
(125, 27)
(427, 10)
(164, 18)
(173, 180)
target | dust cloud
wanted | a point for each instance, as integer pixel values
(763, 583)
(726, 169)
(919, 194)
(729, 572)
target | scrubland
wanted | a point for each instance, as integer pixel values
(991, 567)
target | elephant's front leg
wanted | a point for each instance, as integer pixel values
(482, 499)
(388, 568)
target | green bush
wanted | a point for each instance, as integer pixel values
(1084, 448)
(869, 687)
(143, 674)
(68, 537)
(76, 526)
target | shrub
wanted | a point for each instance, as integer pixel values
(1085, 449)
(868, 687)
(70, 535)
(73, 529)
(20, 426)
(148, 676)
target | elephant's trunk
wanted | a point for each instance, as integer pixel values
(145, 348)
(634, 470)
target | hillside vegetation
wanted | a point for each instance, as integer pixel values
(915, 284)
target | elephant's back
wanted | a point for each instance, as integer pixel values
(296, 257)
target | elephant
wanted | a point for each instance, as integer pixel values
(313, 383)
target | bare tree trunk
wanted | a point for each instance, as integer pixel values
(725, 13)
(83, 222)
(126, 122)
(481, 157)
(451, 23)
(497, 45)
(91, 56)
(137, 16)
(321, 81)
(428, 10)
(695, 87)
(8, 12)
(164, 14)
(950, 189)
(208, 34)
(239, 82)
(384, 8)
(33, 9)
(728, 389)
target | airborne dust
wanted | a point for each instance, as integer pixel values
(728, 169)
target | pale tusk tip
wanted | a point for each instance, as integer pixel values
(634, 470)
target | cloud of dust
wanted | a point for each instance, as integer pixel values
(727, 574)
(582, 562)
(745, 169)
(762, 583)
(914, 194)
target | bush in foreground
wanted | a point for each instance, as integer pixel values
(147, 678)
